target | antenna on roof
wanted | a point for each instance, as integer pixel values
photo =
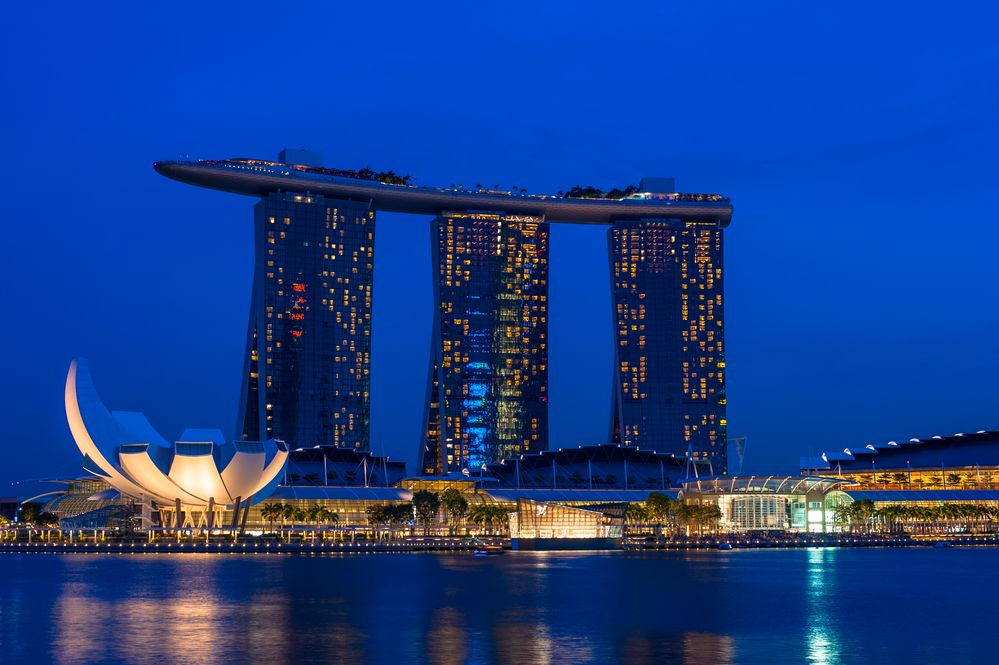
(739, 444)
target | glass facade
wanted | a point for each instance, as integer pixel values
(487, 396)
(758, 512)
(536, 519)
(669, 374)
(954, 478)
(307, 369)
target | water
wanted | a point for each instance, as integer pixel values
(914, 605)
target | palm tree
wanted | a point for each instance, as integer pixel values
(327, 516)
(488, 516)
(312, 513)
(271, 511)
(288, 513)
(842, 514)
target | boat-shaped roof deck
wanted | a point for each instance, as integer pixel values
(259, 178)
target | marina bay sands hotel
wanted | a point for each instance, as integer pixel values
(307, 371)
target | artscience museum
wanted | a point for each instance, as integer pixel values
(191, 483)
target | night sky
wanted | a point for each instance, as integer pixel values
(858, 143)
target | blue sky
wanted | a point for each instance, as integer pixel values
(858, 142)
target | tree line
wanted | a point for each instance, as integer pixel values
(427, 508)
(286, 512)
(864, 515)
(675, 515)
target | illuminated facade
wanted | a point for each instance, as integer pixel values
(307, 370)
(770, 503)
(542, 525)
(669, 365)
(488, 380)
(306, 377)
(963, 461)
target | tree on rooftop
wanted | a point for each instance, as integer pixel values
(588, 192)
(621, 193)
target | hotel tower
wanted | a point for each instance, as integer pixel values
(487, 395)
(669, 353)
(307, 376)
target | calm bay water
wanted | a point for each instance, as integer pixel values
(912, 605)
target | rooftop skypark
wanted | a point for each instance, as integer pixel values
(391, 192)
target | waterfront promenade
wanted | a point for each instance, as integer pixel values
(96, 542)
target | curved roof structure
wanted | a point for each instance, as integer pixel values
(123, 449)
(576, 495)
(786, 485)
(898, 496)
(317, 493)
(970, 449)
(254, 177)
(603, 452)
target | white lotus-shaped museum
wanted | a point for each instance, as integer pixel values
(201, 470)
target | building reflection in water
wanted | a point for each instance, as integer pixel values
(707, 649)
(691, 648)
(520, 637)
(511, 619)
(447, 610)
(178, 620)
(821, 643)
(447, 638)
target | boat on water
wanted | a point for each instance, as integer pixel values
(487, 550)
(725, 546)
(942, 543)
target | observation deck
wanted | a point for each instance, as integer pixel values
(252, 177)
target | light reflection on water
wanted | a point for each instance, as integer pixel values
(691, 608)
(186, 619)
(823, 646)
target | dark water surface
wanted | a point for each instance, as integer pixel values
(916, 605)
